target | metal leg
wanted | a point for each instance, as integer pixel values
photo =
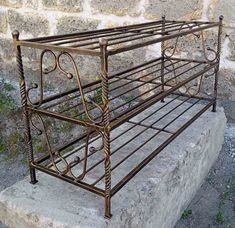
(107, 211)
(28, 137)
(106, 132)
(163, 56)
(218, 61)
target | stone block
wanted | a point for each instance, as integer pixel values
(11, 3)
(6, 49)
(33, 4)
(185, 9)
(8, 70)
(71, 24)
(29, 23)
(3, 22)
(49, 4)
(226, 85)
(225, 8)
(155, 197)
(63, 5)
(231, 46)
(119, 8)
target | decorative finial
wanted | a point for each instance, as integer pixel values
(103, 41)
(221, 17)
(15, 34)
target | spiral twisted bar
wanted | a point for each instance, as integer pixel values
(28, 138)
(106, 133)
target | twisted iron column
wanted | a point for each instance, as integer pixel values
(163, 55)
(28, 137)
(106, 134)
(218, 61)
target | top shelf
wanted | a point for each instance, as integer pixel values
(120, 39)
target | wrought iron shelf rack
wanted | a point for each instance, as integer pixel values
(117, 129)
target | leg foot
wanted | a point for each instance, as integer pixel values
(108, 216)
(214, 108)
(107, 212)
(33, 179)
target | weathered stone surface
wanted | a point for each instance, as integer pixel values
(155, 197)
(225, 8)
(11, 3)
(6, 49)
(69, 24)
(226, 86)
(231, 46)
(226, 91)
(70, 5)
(119, 8)
(3, 22)
(63, 5)
(49, 3)
(31, 4)
(29, 23)
(187, 9)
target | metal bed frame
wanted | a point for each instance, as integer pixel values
(168, 77)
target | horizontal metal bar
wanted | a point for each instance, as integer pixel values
(112, 140)
(157, 40)
(175, 28)
(151, 100)
(81, 51)
(193, 21)
(128, 32)
(149, 139)
(142, 164)
(65, 118)
(188, 60)
(68, 179)
(99, 81)
(90, 33)
(61, 148)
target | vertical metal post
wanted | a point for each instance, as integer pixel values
(218, 61)
(28, 137)
(105, 94)
(163, 55)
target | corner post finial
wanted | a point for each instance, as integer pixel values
(103, 42)
(15, 35)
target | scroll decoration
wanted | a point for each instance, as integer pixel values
(210, 55)
(200, 36)
(192, 90)
(172, 49)
(59, 163)
(57, 64)
(196, 89)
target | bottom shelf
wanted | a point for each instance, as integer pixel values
(151, 130)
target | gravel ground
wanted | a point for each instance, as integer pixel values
(212, 207)
(214, 204)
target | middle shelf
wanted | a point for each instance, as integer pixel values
(130, 91)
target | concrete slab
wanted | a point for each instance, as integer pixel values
(155, 197)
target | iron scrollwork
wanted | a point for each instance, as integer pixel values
(63, 167)
(169, 52)
(58, 65)
(172, 48)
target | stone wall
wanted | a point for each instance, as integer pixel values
(48, 17)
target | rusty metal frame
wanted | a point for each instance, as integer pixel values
(104, 43)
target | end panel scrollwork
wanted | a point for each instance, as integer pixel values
(57, 65)
(209, 54)
(60, 163)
